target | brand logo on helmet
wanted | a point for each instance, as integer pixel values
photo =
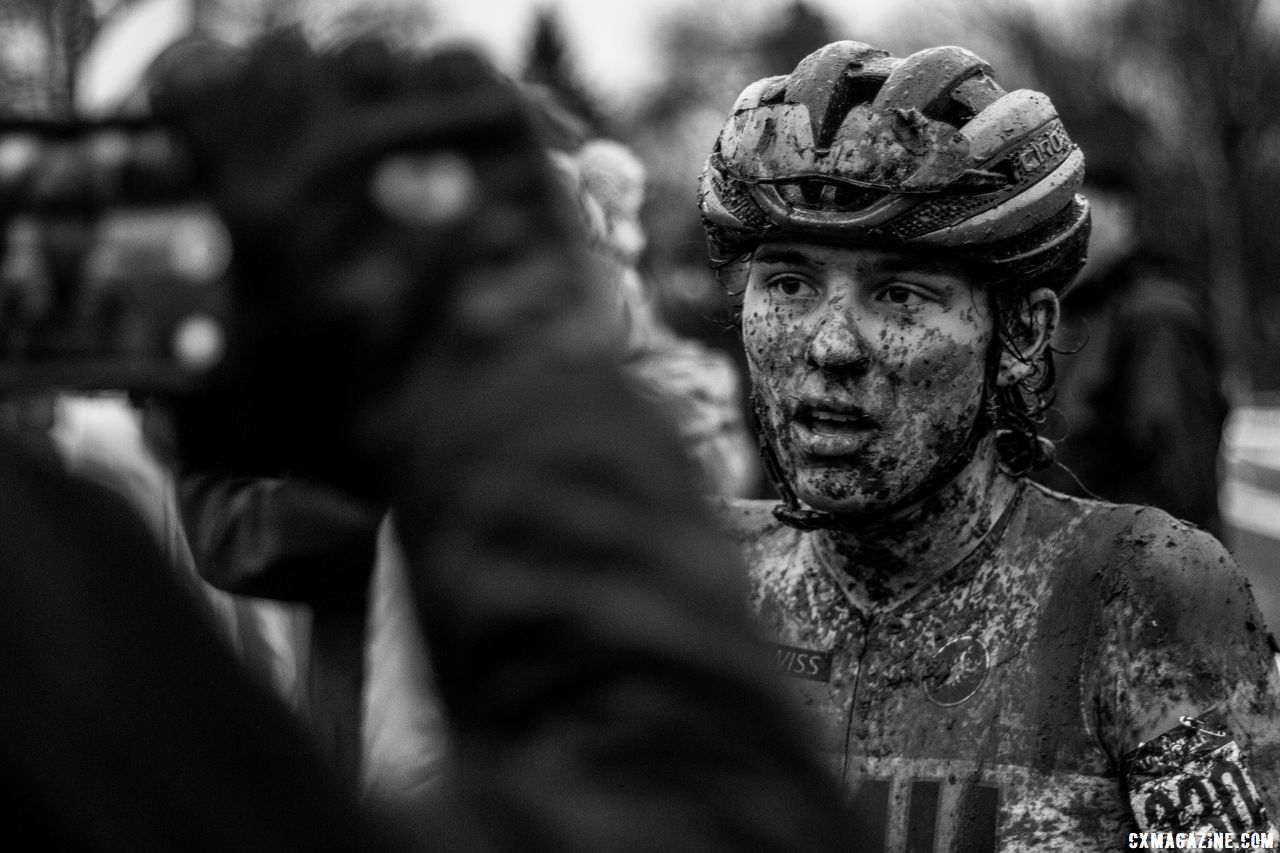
(1047, 148)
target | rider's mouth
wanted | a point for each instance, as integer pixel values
(846, 420)
(831, 431)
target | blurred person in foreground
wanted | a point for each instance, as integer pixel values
(412, 322)
(995, 666)
(1139, 399)
(369, 695)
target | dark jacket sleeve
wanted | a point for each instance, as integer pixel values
(286, 538)
(129, 725)
(589, 628)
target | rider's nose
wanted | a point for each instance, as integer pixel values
(839, 341)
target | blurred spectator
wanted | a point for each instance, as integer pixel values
(368, 693)
(130, 725)
(1140, 406)
(697, 386)
(107, 438)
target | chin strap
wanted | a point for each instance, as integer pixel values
(794, 514)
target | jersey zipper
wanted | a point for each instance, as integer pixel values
(866, 621)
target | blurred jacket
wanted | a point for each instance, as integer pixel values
(1140, 400)
(698, 388)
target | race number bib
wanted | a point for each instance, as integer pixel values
(1194, 779)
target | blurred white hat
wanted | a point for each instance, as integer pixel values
(110, 79)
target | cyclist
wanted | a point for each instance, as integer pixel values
(983, 657)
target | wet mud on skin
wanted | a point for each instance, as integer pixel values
(914, 372)
(901, 344)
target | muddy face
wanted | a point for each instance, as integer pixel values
(868, 366)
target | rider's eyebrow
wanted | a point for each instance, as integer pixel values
(906, 264)
(790, 257)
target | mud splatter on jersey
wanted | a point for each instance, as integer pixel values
(990, 711)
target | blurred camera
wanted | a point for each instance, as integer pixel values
(363, 192)
(113, 269)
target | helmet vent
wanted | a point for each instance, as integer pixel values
(955, 113)
(816, 194)
(811, 192)
(852, 88)
(775, 94)
(966, 99)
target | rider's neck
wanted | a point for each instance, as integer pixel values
(893, 557)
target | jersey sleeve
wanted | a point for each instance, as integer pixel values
(1182, 640)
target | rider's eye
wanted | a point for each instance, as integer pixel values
(789, 286)
(898, 295)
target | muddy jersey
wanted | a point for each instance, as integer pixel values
(992, 711)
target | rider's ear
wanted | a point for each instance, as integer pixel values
(1031, 335)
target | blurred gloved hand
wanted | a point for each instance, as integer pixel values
(380, 205)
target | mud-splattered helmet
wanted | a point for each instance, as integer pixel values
(859, 147)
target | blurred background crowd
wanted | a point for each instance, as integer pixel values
(1169, 357)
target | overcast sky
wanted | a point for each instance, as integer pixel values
(614, 40)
